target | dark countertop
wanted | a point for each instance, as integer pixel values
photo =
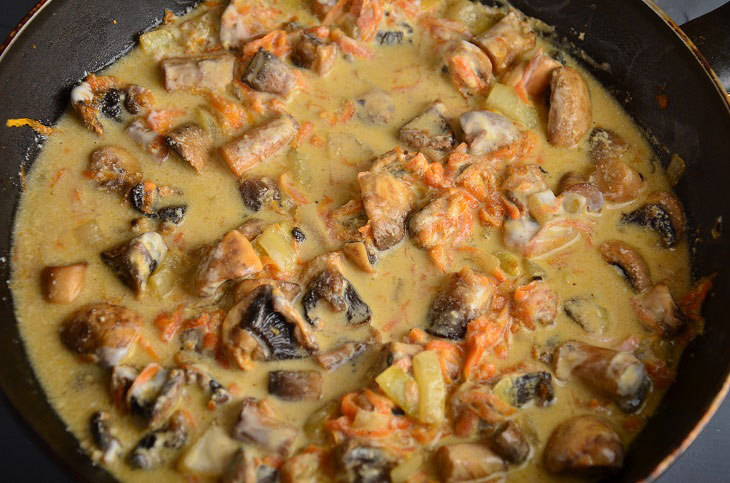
(705, 461)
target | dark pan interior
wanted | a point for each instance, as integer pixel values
(69, 38)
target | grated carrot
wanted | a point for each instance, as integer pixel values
(31, 123)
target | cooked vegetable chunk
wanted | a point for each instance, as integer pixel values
(375, 107)
(230, 258)
(469, 68)
(134, 261)
(486, 131)
(441, 221)
(510, 443)
(114, 169)
(662, 213)
(61, 285)
(191, 143)
(341, 355)
(259, 424)
(467, 462)
(211, 453)
(465, 296)
(618, 181)
(295, 385)
(266, 73)
(387, 201)
(583, 446)
(313, 53)
(260, 143)
(507, 39)
(207, 71)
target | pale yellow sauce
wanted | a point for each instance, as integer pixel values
(54, 206)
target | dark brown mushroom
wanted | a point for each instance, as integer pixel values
(62, 284)
(586, 313)
(387, 201)
(259, 424)
(657, 310)
(295, 385)
(362, 464)
(144, 197)
(114, 169)
(259, 191)
(104, 437)
(315, 54)
(520, 389)
(252, 227)
(583, 446)
(664, 214)
(510, 443)
(631, 265)
(155, 393)
(135, 261)
(191, 143)
(267, 73)
(157, 447)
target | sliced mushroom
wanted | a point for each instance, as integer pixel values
(397, 34)
(375, 107)
(362, 463)
(230, 258)
(663, 213)
(430, 129)
(259, 424)
(588, 314)
(121, 380)
(631, 265)
(569, 117)
(102, 333)
(156, 447)
(467, 462)
(173, 214)
(327, 282)
(606, 144)
(583, 446)
(486, 131)
(252, 227)
(218, 393)
(465, 296)
(657, 310)
(259, 191)
(506, 40)
(134, 261)
(341, 354)
(148, 139)
(520, 389)
(618, 181)
(510, 443)
(616, 374)
(191, 143)
(138, 98)
(313, 53)
(62, 284)
(104, 437)
(111, 104)
(114, 169)
(144, 197)
(267, 73)
(155, 393)
(295, 385)
(387, 201)
(576, 184)
(362, 254)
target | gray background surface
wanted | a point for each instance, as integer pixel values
(707, 460)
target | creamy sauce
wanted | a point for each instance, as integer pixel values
(59, 203)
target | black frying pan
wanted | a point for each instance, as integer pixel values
(647, 55)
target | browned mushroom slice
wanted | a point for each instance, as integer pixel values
(586, 313)
(430, 129)
(289, 289)
(510, 443)
(469, 68)
(440, 221)
(114, 169)
(507, 39)
(313, 53)
(521, 389)
(629, 263)
(133, 262)
(569, 117)
(267, 73)
(102, 333)
(387, 201)
(230, 258)
(155, 393)
(260, 143)
(657, 310)
(663, 213)
(138, 99)
(341, 354)
(259, 191)
(144, 197)
(465, 295)
(375, 106)
(362, 254)
(618, 181)
(606, 144)
(362, 463)
(61, 285)
(325, 281)
(486, 131)
(576, 184)
(158, 446)
(252, 227)
(121, 380)
(295, 385)
(208, 71)
(148, 139)
(616, 374)
(104, 437)
(583, 446)
(259, 424)
(191, 143)
(467, 462)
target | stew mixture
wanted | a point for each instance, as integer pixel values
(351, 240)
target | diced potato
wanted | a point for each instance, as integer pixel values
(504, 99)
(510, 263)
(405, 470)
(161, 43)
(431, 387)
(371, 421)
(401, 388)
(210, 454)
(300, 167)
(89, 233)
(314, 426)
(277, 242)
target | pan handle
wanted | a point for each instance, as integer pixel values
(711, 34)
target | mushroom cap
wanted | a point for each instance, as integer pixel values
(583, 445)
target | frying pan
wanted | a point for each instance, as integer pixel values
(639, 52)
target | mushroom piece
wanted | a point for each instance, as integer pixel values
(154, 449)
(230, 258)
(121, 380)
(583, 446)
(663, 213)
(138, 98)
(397, 351)
(191, 143)
(295, 385)
(218, 394)
(520, 389)
(387, 201)
(62, 284)
(134, 261)
(304, 467)
(213, 71)
(102, 333)
(362, 254)
(155, 393)
(618, 181)
(313, 53)
(430, 129)
(148, 139)
(506, 40)
(104, 437)
(586, 313)
(569, 118)
(252, 227)
(144, 197)
(575, 184)
(628, 262)
(467, 462)
(173, 214)
(375, 107)
(255, 329)
(289, 289)
(616, 374)
(657, 310)
(465, 296)
(510, 443)
(239, 25)
(259, 424)
(259, 191)
(486, 131)
(325, 281)
(114, 169)
(341, 354)
(469, 68)
(267, 73)
(363, 463)
(532, 75)
(245, 468)
(396, 34)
